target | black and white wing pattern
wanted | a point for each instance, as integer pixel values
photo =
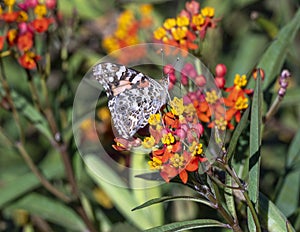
(132, 96)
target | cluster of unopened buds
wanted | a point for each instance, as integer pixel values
(190, 24)
(22, 22)
(283, 82)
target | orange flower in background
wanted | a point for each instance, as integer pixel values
(25, 41)
(129, 23)
(41, 25)
(237, 100)
(25, 19)
(183, 30)
(28, 60)
(2, 40)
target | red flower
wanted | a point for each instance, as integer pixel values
(25, 41)
(181, 165)
(28, 60)
(2, 39)
(28, 4)
(10, 17)
(51, 4)
(41, 25)
(170, 120)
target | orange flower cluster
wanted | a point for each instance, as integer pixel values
(176, 133)
(175, 141)
(23, 21)
(190, 24)
(213, 109)
(129, 23)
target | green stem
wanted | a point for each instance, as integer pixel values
(11, 102)
(34, 93)
(245, 193)
(273, 109)
(39, 175)
(218, 206)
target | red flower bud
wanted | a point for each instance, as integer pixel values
(221, 70)
(220, 82)
(200, 80)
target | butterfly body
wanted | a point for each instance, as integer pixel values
(132, 96)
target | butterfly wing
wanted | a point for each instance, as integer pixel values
(132, 96)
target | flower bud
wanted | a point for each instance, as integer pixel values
(220, 82)
(200, 80)
(221, 70)
(184, 80)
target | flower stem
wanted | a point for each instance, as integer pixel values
(245, 194)
(39, 175)
(273, 109)
(218, 206)
(10, 101)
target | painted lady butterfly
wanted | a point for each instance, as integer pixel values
(132, 96)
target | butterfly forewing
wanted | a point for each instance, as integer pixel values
(132, 96)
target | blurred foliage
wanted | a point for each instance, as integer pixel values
(250, 34)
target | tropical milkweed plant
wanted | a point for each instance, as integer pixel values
(219, 152)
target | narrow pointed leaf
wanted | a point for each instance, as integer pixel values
(229, 196)
(49, 209)
(237, 133)
(271, 217)
(140, 187)
(121, 196)
(188, 225)
(288, 196)
(171, 198)
(255, 142)
(272, 60)
(16, 187)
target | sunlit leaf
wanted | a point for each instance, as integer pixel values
(270, 216)
(139, 187)
(122, 197)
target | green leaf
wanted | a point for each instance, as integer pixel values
(123, 227)
(288, 197)
(272, 60)
(237, 133)
(86, 9)
(269, 26)
(229, 196)
(29, 112)
(49, 209)
(270, 216)
(122, 197)
(51, 167)
(140, 189)
(187, 225)
(34, 116)
(171, 198)
(292, 97)
(246, 57)
(255, 142)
